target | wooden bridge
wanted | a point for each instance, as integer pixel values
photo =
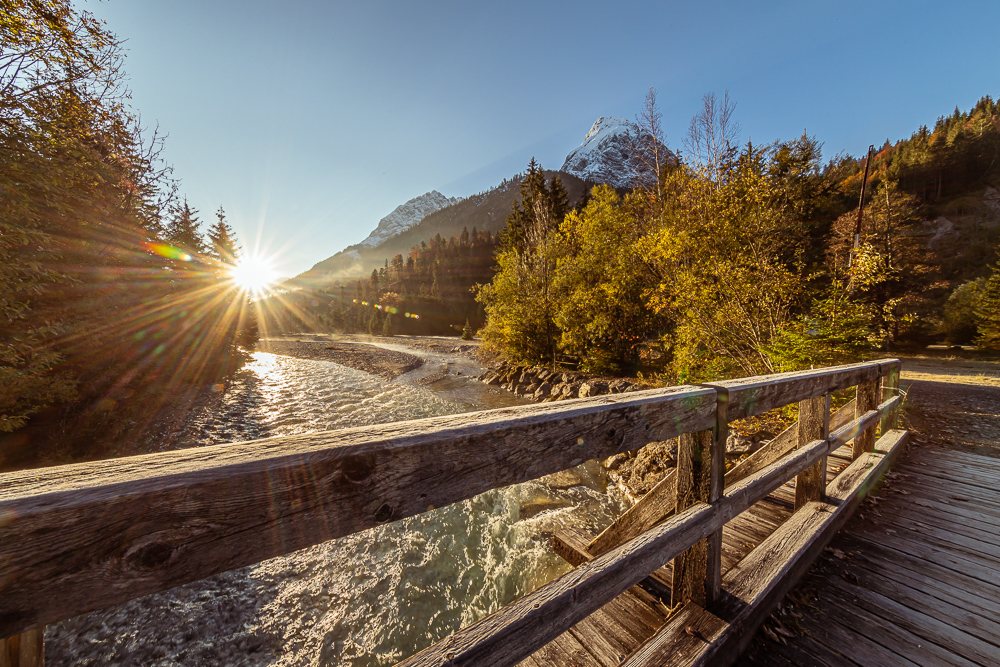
(685, 577)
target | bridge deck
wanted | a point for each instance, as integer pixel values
(913, 579)
(607, 637)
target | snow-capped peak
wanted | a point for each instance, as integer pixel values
(406, 215)
(610, 153)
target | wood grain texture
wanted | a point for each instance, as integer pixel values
(105, 532)
(754, 395)
(814, 420)
(761, 579)
(694, 469)
(527, 624)
(867, 399)
(657, 505)
(24, 650)
(783, 443)
(571, 545)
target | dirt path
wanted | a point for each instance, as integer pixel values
(954, 403)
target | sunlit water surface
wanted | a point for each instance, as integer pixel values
(372, 598)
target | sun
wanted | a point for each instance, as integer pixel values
(253, 274)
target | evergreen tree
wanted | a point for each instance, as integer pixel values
(222, 241)
(182, 230)
(989, 312)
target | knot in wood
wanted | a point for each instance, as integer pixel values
(383, 514)
(358, 468)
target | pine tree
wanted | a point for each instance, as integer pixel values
(182, 230)
(989, 312)
(224, 246)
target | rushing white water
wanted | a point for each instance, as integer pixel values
(371, 598)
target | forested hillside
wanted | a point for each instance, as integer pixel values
(738, 259)
(106, 315)
(486, 211)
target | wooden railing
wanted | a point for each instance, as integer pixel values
(82, 537)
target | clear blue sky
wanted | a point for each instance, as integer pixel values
(309, 121)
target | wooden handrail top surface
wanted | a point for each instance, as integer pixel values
(81, 537)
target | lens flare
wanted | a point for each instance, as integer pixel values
(253, 274)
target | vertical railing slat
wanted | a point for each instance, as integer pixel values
(867, 399)
(694, 460)
(814, 424)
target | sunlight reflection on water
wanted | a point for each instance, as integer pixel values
(367, 599)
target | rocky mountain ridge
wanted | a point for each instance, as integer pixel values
(615, 151)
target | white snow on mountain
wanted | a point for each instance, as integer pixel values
(406, 215)
(610, 153)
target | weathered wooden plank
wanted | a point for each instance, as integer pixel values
(716, 486)
(754, 395)
(952, 486)
(780, 445)
(894, 638)
(814, 424)
(934, 551)
(947, 636)
(760, 580)
(890, 388)
(535, 619)
(907, 507)
(652, 508)
(937, 607)
(867, 399)
(694, 463)
(108, 531)
(965, 474)
(896, 569)
(842, 635)
(571, 545)
(700, 626)
(24, 650)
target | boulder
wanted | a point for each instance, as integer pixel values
(738, 445)
(494, 379)
(619, 386)
(542, 391)
(533, 387)
(521, 390)
(593, 388)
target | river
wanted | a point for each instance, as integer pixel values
(372, 598)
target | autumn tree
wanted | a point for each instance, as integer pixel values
(520, 302)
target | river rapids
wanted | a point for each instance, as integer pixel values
(371, 598)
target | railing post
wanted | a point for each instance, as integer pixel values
(694, 461)
(890, 387)
(24, 650)
(814, 424)
(867, 400)
(716, 487)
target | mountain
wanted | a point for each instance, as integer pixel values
(406, 215)
(485, 211)
(612, 152)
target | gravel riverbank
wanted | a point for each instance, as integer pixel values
(388, 364)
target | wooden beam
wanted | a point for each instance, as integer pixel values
(83, 537)
(24, 650)
(758, 582)
(814, 424)
(785, 442)
(522, 627)
(694, 469)
(752, 396)
(890, 388)
(716, 486)
(571, 544)
(657, 505)
(867, 399)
